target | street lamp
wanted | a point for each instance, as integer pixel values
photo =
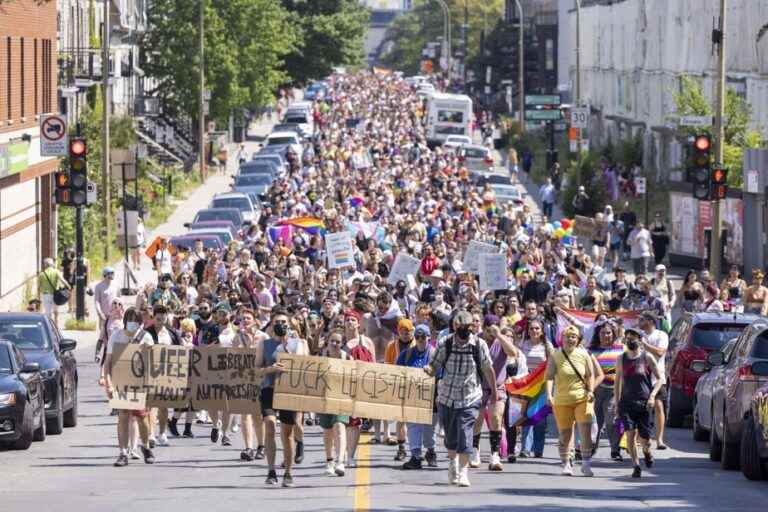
(520, 73)
(578, 53)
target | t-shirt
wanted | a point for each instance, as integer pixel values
(569, 388)
(659, 339)
(640, 244)
(164, 259)
(122, 336)
(48, 281)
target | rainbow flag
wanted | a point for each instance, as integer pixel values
(607, 360)
(312, 225)
(585, 321)
(530, 398)
(356, 201)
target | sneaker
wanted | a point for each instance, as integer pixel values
(247, 455)
(225, 441)
(188, 431)
(586, 468)
(351, 463)
(235, 428)
(512, 458)
(661, 446)
(173, 428)
(464, 478)
(149, 457)
(340, 469)
(577, 455)
(152, 443)
(453, 473)
(637, 472)
(271, 477)
(401, 453)
(330, 468)
(648, 458)
(299, 457)
(375, 440)
(431, 458)
(474, 459)
(162, 440)
(617, 456)
(567, 469)
(122, 460)
(495, 463)
(287, 480)
(524, 455)
(259, 453)
(134, 455)
(214, 435)
(538, 455)
(413, 463)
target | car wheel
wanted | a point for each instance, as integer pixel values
(70, 417)
(730, 457)
(41, 430)
(699, 432)
(751, 465)
(24, 442)
(675, 416)
(56, 425)
(715, 446)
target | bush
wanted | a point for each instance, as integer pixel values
(585, 172)
(73, 324)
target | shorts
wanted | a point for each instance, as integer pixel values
(615, 246)
(580, 412)
(598, 243)
(328, 420)
(663, 395)
(354, 422)
(636, 416)
(48, 305)
(266, 399)
(458, 426)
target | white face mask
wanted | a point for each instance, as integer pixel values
(132, 326)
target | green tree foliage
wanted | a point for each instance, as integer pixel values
(332, 33)
(587, 169)
(245, 44)
(691, 101)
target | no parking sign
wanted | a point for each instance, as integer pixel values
(53, 135)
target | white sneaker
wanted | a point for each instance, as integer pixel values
(340, 470)
(495, 463)
(567, 469)
(162, 440)
(453, 473)
(235, 428)
(474, 459)
(134, 455)
(330, 468)
(464, 478)
(586, 468)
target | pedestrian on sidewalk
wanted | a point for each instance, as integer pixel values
(48, 282)
(547, 196)
(513, 164)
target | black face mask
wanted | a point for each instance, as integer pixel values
(281, 329)
(463, 332)
(632, 344)
(205, 315)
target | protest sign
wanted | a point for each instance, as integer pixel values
(354, 388)
(404, 266)
(225, 379)
(128, 377)
(338, 247)
(589, 228)
(471, 261)
(159, 372)
(493, 271)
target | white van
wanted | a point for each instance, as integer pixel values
(447, 114)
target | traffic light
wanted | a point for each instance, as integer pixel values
(718, 183)
(699, 169)
(78, 172)
(63, 191)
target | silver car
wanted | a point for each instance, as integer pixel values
(702, 396)
(734, 388)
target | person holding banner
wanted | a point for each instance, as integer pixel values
(131, 333)
(536, 348)
(333, 425)
(249, 336)
(404, 341)
(162, 334)
(359, 348)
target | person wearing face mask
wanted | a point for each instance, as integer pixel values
(164, 294)
(404, 340)
(635, 395)
(131, 333)
(162, 334)
(223, 420)
(466, 362)
(538, 289)
(250, 336)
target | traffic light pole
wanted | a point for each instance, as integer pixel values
(80, 276)
(715, 250)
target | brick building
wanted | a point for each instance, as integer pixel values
(28, 88)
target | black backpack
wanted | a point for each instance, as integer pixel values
(475, 356)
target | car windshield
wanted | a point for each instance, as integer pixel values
(475, 153)
(5, 360)
(279, 141)
(241, 203)
(213, 215)
(713, 336)
(257, 169)
(760, 349)
(25, 334)
(253, 180)
(296, 119)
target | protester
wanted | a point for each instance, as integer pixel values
(656, 343)
(334, 425)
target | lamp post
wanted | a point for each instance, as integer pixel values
(105, 103)
(201, 113)
(447, 34)
(520, 70)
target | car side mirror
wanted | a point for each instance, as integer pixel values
(31, 368)
(716, 359)
(187, 224)
(67, 345)
(699, 366)
(760, 368)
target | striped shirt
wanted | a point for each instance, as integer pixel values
(460, 385)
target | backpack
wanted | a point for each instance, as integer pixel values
(475, 356)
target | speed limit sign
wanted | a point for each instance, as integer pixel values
(580, 117)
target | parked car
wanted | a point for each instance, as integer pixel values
(702, 397)
(505, 194)
(22, 399)
(231, 214)
(188, 241)
(213, 224)
(754, 433)
(283, 141)
(237, 200)
(477, 159)
(693, 337)
(452, 142)
(223, 234)
(252, 184)
(302, 118)
(275, 157)
(260, 167)
(316, 91)
(733, 392)
(41, 342)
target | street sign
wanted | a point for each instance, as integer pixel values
(698, 121)
(543, 115)
(91, 193)
(542, 99)
(640, 185)
(580, 117)
(53, 135)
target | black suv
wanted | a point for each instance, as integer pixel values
(42, 343)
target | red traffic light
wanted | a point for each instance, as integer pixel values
(702, 142)
(62, 179)
(719, 176)
(77, 147)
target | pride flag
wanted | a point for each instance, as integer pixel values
(312, 225)
(356, 201)
(529, 398)
(284, 233)
(585, 321)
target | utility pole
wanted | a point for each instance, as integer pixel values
(201, 114)
(715, 250)
(578, 72)
(465, 32)
(520, 70)
(105, 100)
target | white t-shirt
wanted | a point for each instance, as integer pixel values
(164, 337)
(227, 336)
(659, 339)
(164, 261)
(640, 244)
(122, 336)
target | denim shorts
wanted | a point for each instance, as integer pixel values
(459, 426)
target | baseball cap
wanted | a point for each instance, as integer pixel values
(660, 268)
(404, 325)
(422, 329)
(107, 271)
(634, 330)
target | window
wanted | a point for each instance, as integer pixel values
(22, 94)
(450, 116)
(549, 55)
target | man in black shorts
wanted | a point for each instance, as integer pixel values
(636, 396)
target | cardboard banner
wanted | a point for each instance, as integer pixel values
(471, 261)
(404, 266)
(128, 377)
(493, 271)
(225, 379)
(354, 388)
(338, 247)
(589, 228)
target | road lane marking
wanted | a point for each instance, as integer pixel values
(363, 475)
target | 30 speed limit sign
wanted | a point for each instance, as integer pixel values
(580, 117)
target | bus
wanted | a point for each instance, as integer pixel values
(447, 114)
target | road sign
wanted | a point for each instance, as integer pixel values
(91, 193)
(542, 99)
(695, 121)
(640, 185)
(543, 115)
(53, 135)
(580, 117)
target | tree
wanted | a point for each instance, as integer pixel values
(691, 101)
(332, 33)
